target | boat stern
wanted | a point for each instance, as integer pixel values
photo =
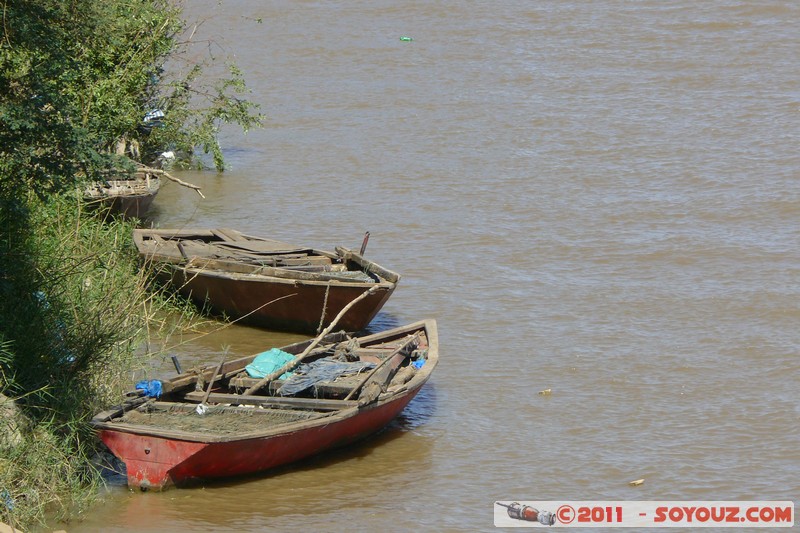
(149, 460)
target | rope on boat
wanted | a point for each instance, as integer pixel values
(324, 307)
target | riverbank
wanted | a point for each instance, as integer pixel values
(76, 310)
(5, 528)
(84, 79)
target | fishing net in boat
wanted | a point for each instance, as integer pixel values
(308, 375)
(220, 420)
(355, 276)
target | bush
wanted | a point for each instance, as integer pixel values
(79, 79)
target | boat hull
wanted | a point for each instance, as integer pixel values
(131, 206)
(128, 198)
(155, 463)
(280, 304)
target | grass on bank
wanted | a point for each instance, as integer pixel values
(74, 311)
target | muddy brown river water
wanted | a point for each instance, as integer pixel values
(598, 198)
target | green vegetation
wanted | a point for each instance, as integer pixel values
(73, 311)
(80, 76)
(78, 79)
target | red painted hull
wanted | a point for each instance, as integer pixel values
(173, 447)
(155, 463)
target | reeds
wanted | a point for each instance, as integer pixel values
(75, 314)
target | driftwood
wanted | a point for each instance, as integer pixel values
(159, 172)
(291, 365)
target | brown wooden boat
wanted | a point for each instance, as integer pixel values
(128, 197)
(267, 283)
(219, 421)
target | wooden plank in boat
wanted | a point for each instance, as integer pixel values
(277, 401)
(265, 247)
(367, 265)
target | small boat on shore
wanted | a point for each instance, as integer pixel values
(267, 283)
(227, 420)
(126, 196)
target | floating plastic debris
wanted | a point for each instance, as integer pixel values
(546, 392)
(406, 38)
(636, 482)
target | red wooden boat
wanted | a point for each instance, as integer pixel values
(218, 421)
(267, 283)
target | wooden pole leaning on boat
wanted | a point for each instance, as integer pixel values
(201, 407)
(410, 340)
(291, 365)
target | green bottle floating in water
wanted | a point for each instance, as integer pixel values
(406, 38)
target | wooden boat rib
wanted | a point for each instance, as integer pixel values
(128, 197)
(264, 282)
(166, 442)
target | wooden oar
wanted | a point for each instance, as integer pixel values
(291, 365)
(396, 351)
